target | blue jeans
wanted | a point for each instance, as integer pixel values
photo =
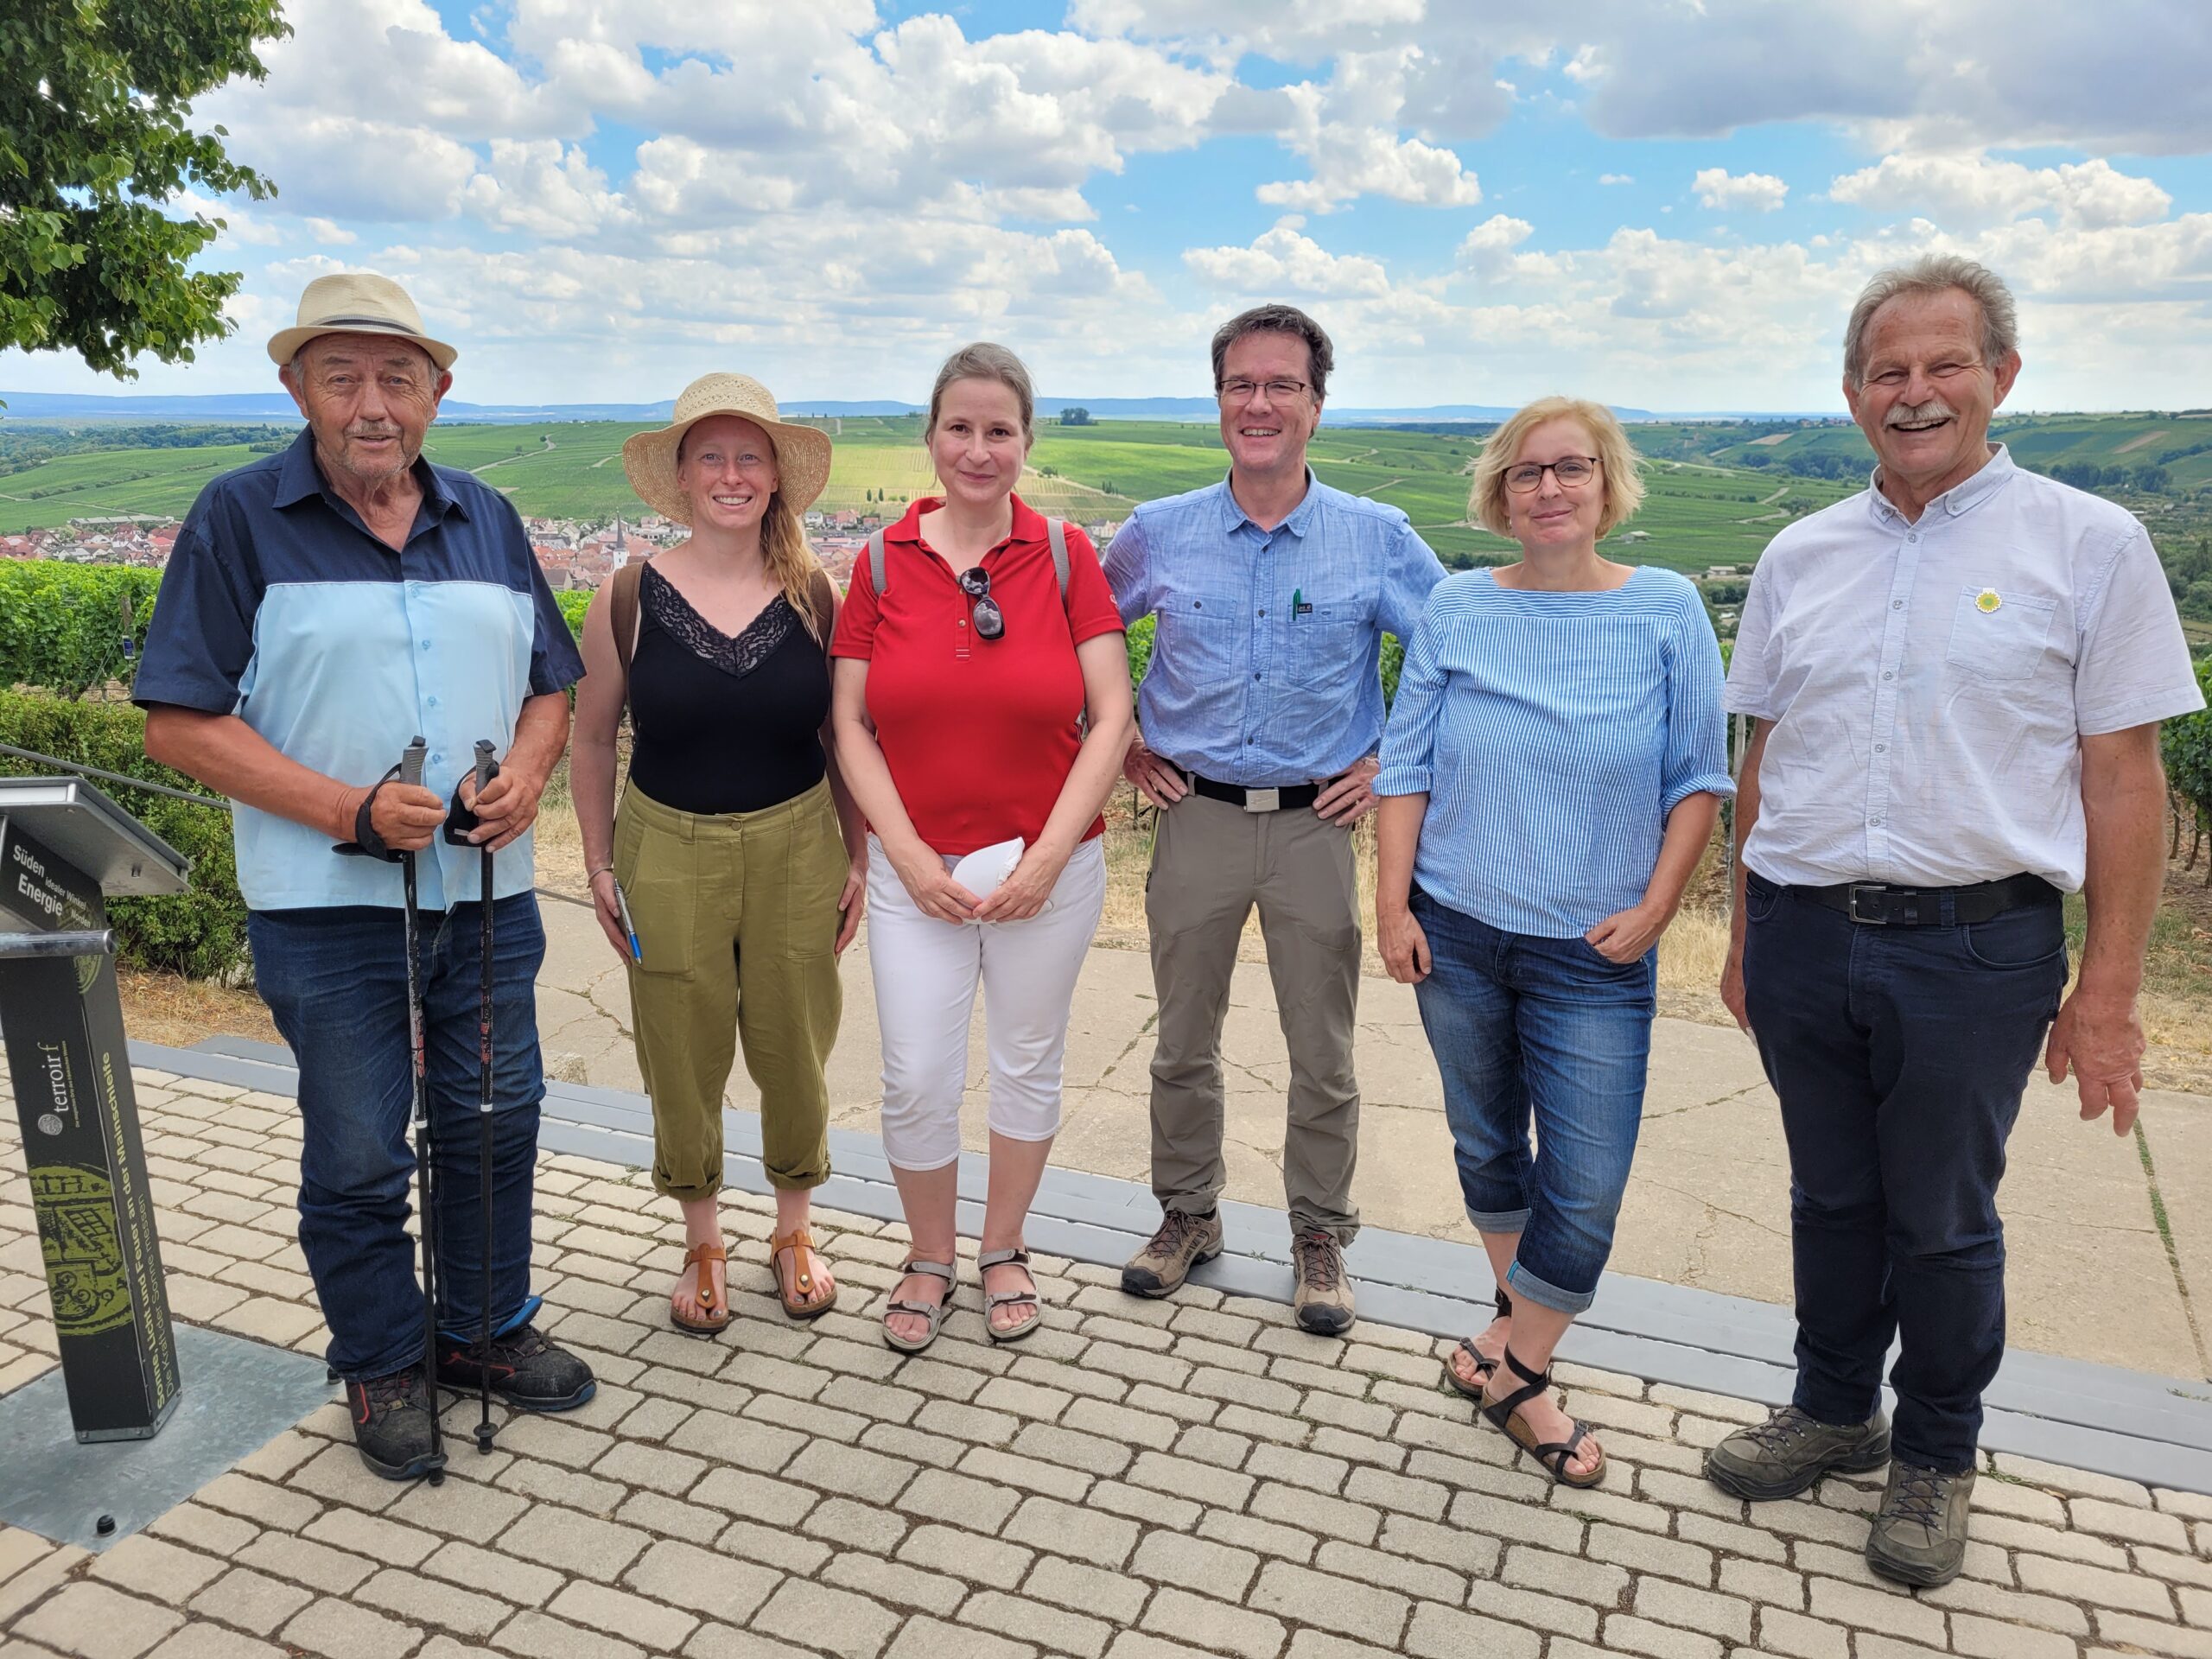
(1545, 1029)
(336, 981)
(1899, 1054)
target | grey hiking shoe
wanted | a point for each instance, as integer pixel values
(1323, 1299)
(1181, 1243)
(1919, 1536)
(1787, 1452)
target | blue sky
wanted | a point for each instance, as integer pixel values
(1666, 203)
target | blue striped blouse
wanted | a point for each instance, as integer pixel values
(1553, 733)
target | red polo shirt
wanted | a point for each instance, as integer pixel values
(979, 734)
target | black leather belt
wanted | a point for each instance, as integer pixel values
(1875, 904)
(1255, 800)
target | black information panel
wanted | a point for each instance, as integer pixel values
(71, 1069)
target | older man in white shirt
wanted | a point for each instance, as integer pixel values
(1958, 677)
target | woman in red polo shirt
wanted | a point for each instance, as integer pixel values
(960, 691)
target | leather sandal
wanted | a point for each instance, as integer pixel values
(933, 1312)
(711, 1301)
(800, 1243)
(1484, 1363)
(998, 1298)
(1552, 1454)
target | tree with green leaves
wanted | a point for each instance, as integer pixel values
(95, 101)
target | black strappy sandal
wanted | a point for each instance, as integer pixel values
(1552, 1454)
(1484, 1363)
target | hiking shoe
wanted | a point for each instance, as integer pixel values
(391, 1424)
(527, 1371)
(1323, 1299)
(1181, 1243)
(1919, 1536)
(1787, 1452)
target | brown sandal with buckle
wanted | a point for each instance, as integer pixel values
(716, 1305)
(801, 1244)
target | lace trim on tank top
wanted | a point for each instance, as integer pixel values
(736, 655)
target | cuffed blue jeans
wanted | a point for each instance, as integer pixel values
(1548, 1031)
(1900, 1055)
(336, 982)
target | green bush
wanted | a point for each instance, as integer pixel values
(2186, 744)
(574, 602)
(200, 933)
(62, 625)
(1140, 648)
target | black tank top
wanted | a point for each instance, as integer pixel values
(724, 724)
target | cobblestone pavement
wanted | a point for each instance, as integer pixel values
(1140, 1480)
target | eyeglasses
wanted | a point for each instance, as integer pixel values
(990, 621)
(1278, 391)
(1570, 470)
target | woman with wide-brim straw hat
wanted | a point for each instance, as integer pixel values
(733, 875)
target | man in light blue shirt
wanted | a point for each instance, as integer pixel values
(324, 605)
(1261, 714)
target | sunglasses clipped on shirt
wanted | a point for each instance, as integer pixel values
(990, 621)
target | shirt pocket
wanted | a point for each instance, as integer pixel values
(1195, 639)
(1325, 644)
(1997, 637)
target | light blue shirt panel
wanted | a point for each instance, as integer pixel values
(1552, 733)
(1244, 686)
(448, 659)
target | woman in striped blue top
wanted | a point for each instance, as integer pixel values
(1554, 763)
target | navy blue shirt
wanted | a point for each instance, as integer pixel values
(281, 606)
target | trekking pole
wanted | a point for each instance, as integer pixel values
(410, 772)
(487, 769)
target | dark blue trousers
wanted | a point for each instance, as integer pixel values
(1900, 1055)
(336, 982)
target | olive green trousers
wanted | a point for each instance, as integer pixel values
(737, 918)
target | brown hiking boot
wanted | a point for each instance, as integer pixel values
(1787, 1452)
(1181, 1243)
(1919, 1535)
(1323, 1299)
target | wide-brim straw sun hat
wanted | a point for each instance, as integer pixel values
(357, 303)
(802, 452)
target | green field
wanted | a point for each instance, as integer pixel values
(1693, 516)
(1716, 491)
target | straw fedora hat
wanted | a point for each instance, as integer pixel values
(357, 303)
(802, 452)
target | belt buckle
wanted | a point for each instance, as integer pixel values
(1853, 912)
(1262, 800)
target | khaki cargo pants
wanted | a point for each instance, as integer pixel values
(1211, 863)
(736, 916)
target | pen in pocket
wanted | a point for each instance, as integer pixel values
(622, 907)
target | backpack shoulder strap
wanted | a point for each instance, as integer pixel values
(822, 603)
(875, 563)
(1056, 535)
(1056, 532)
(622, 596)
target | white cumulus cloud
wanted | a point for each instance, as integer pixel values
(1285, 258)
(1724, 192)
(1967, 191)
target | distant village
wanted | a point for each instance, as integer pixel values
(572, 553)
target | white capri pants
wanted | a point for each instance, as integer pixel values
(926, 972)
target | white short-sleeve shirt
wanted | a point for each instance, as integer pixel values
(1931, 681)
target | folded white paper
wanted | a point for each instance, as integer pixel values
(983, 871)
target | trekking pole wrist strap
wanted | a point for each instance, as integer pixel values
(366, 843)
(459, 820)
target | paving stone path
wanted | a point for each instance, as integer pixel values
(1138, 1481)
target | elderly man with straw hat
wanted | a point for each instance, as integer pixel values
(732, 877)
(323, 606)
